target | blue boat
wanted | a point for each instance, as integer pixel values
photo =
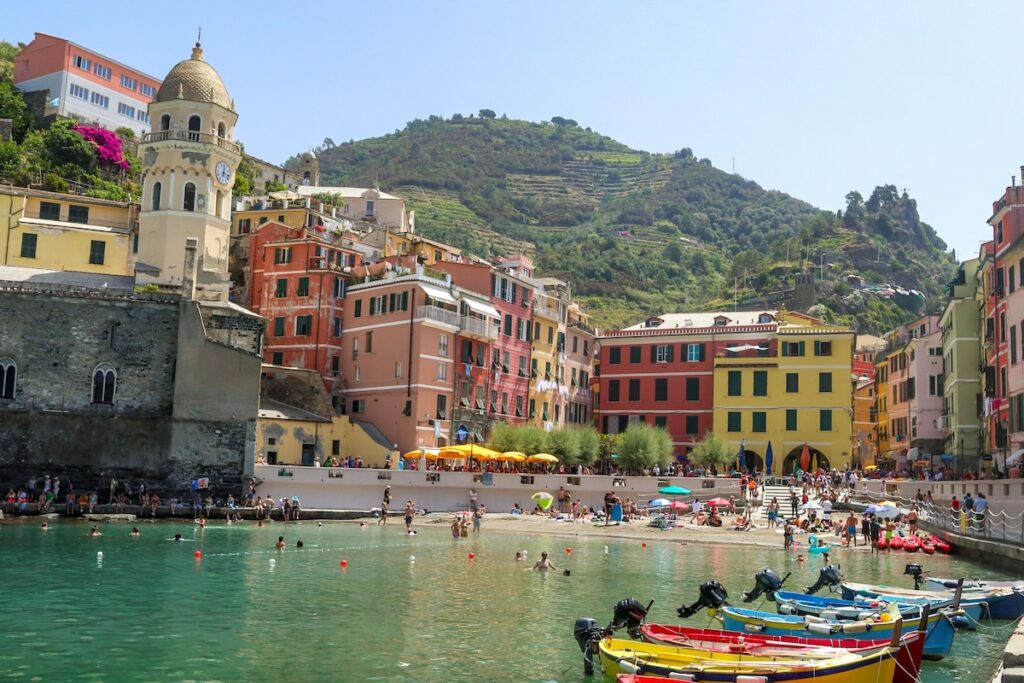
(937, 643)
(1005, 598)
(861, 607)
(994, 603)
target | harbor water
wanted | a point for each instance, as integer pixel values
(404, 608)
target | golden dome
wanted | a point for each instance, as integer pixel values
(194, 80)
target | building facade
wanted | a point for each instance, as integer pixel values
(960, 423)
(1007, 223)
(84, 84)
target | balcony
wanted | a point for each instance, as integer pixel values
(545, 312)
(191, 136)
(944, 423)
(438, 314)
(83, 220)
(478, 328)
(324, 263)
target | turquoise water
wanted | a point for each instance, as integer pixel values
(150, 612)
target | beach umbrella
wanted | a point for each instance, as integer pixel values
(514, 456)
(768, 457)
(679, 505)
(883, 511)
(659, 503)
(718, 502)
(811, 505)
(542, 457)
(805, 457)
(674, 491)
(543, 499)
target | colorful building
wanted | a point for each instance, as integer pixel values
(368, 205)
(299, 282)
(63, 232)
(881, 408)
(84, 84)
(1007, 222)
(960, 423)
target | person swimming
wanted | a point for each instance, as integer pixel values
(280, 542)
(135, 531)
(94, 532)
(543, 564)
(799, 558)
(299, 543)
(177, 538)
(45, 527)
(519, 556)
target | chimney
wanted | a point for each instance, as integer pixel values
(188, 273)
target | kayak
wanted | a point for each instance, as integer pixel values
(882, 544)
(927, 548)
(938, 638)
(678, 663)
(896, 543)
(939, 544)
(912, 544)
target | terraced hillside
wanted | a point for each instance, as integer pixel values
(636, 232)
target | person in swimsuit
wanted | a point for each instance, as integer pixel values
(135, 531)
(851, 530)
(410, 510)
(543, 564)
(280, 542)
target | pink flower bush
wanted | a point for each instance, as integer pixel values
(108, 145)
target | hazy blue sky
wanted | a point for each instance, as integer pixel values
(811, 98)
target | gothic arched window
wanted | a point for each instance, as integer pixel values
(8, 377)
(190, 197)
(156, 195)
(165, 122)
(104, 379)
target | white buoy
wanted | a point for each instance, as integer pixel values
(412, 558)
(99, 555)
(606, 550)
(272, 562)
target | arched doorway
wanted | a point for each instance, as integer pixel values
(792, 460)
(752, 461)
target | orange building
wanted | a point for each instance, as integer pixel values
(85, 84)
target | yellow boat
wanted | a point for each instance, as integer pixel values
(687, 664)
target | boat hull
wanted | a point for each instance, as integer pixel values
(992, 602)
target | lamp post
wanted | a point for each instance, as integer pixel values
(961, 467)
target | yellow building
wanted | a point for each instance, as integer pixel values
(286, 435)
(425, 250)
(788, 385)
(882, 408)
(63, 232)
(544, 370)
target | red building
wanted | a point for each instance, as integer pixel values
(507, 381)
(299, 280)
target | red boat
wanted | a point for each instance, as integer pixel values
(908, 661)
(912, 544)
(882, 544)
(896, 543)
(939, 544)
(928, 548)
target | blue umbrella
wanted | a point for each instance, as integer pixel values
(741, 458)
(659, 503)
(768, 457)
(675, 491)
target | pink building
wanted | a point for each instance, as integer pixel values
(915, 391)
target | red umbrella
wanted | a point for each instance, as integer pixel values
(718, 502)
(805, 457)
(679, 505)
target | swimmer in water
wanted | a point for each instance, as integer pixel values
(543, 564)
(299, 544)
(177, 538)
(94, 532)
(259, 523)
(362, 525)
(135, 531)
(46, 526)
(519, 556)
(280, 542)
(799, 558)
(319, 524)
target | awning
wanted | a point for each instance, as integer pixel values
(1015, 457)
(949, 457)
(437, 293)
(481, 307)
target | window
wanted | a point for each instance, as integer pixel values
(442, 345)
(662, 353)
(359, 406)
(103, 381)
(442, 372)
(78, 214)
(792, 383)
(760, 421)
(8, 378)
(692, 388)
(303, 287)
(28, 245)
(822, 348)
(100, 100)
(504, 405)
(575, 344)
(143, 116)
(613, 390)
(660, 389)
(83, 63)
(692, 424)
(825, 382)
(148, 91)
(279, 326)
(282, 255)
(1012, 279)
(369, 342)
(735, 383)
(221, 130)
(586, 347)
(792, 348)
(1013, 344)
(519, 406)
(369, 207)
(79, 92)
(523, 370)
(398, 368)
(935, 383)
(101, 71)
(49, 211)
(165, 121)
(734, 421)
(615, 355)
(508, 325)
(634, 354)
(189, 203)
(97, 252)
(694, 353)
(155, 201)
(790, 420)
(303, 325)
(337, 326)
(825, 420)
(126, 110)
(282, 288)
(760, 382)
(195, 124)
(634, 390)
(128, 82)
(661, 421)
(277, 358)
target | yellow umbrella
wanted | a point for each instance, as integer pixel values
(514, 456)
(430, 453)
(542, 457)
(470, 450)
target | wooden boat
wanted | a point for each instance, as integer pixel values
(938, 637)
(996, 602)
(908, 660)
(971, 584)
(862, 607)
(682, 664)
(1005, 599)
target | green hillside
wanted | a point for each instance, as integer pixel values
(638, 233)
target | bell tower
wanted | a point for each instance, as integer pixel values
(189, 163)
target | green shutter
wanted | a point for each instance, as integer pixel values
(359, 308)
(760, 383)
(825, 420)
(735, 421)
(802, 348)
(790, 420)
(735, 383)
(760, 421)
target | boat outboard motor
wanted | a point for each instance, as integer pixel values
(829, 577)
(587, 634)
(916, 571)
(712, 596)
(629, 614)
(765, 581)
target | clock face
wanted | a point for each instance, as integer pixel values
(223, 173)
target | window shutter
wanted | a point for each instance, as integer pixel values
(654, 353)
(513, 292)
(702, 356)
(802, 348)
(671, 350)
(817, 347)
(405, 301)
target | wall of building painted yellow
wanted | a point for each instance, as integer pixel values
(61, 244)
(757, 415)
(543, 357)
(285, 437)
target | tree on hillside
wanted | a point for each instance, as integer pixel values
(712, 452)
(487, 114)
(642, 446)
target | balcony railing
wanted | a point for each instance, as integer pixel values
(479, 326)
(191, 136)
(438, 314)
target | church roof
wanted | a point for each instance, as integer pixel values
(194, 80)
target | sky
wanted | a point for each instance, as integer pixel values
(810, 98)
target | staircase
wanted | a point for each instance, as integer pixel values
(781, 493)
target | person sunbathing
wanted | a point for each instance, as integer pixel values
(741, 524)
